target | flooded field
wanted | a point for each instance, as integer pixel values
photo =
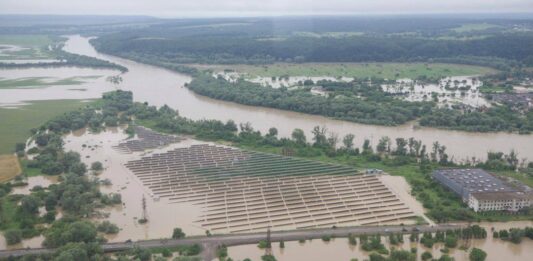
(460, 145)
(460, 90)
(161, 218)
(42, 181)
(33, 84)
(318, 250)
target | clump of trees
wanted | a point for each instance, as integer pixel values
(514, 235)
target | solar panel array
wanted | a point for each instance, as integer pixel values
(147, 139)
(248, 191)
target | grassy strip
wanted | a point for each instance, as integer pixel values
(17, 123)
(360, 70)
(41, 82)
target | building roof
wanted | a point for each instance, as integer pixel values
(474, 180)
(502, 195)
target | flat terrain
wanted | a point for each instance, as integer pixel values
(9, 167)
(16, 123)
(359, 70)
(28, 47)
(474, 27)
(41, 82)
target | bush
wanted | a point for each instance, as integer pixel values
(268, 258)
(477, 255)
(97, 166)
(178, 233)
(107, 228)
(426, 256)
(13, 236)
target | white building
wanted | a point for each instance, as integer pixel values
(497, 201)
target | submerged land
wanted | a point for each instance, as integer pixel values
(156, 163)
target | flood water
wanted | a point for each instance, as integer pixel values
(93, 84)
(162, 217)
(160, 86)
(339, 249)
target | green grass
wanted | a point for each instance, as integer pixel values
(8, 215)
(26, 40)
(328, 34)
(17, 123)
(37, 46)
(41, 82)
(360, 70)
(474, 27)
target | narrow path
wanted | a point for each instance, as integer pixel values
(209, 244)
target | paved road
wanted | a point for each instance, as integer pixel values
(210, 243)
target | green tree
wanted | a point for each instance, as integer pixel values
(298, 136)
(348, 141)
(178, 233)
(97, 166)
(477, 255)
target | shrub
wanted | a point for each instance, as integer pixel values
(13, 236)
(178, 233)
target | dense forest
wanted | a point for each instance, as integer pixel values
(322, 39)
(363, 103)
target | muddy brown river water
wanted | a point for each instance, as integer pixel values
(339, 249)
(160, 86)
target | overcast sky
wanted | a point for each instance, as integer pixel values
(195, 8)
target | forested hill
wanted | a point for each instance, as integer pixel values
(325, 40)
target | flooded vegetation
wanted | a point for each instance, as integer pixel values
(198, 107)
(294, 132)
(317, 249)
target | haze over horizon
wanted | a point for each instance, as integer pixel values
(228, 8)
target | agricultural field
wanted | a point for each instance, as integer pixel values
(359, 70)
(42, 82)
(9, 167)
(473, 27)
(16, 123)
(22, 47)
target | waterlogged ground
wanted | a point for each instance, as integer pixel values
(339, 249)
(162, 216)
(18, 86)
(455, 90)
(448, 91)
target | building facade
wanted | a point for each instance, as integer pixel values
(499, 201)
(484, 192)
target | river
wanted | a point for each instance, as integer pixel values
(160, 86)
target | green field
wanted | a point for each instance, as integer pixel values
(474, 27)
(328, 34)
(35, 46)
(16, 123)
(359, 70)
(41, 82)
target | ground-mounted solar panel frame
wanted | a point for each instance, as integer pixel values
(243, 191)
